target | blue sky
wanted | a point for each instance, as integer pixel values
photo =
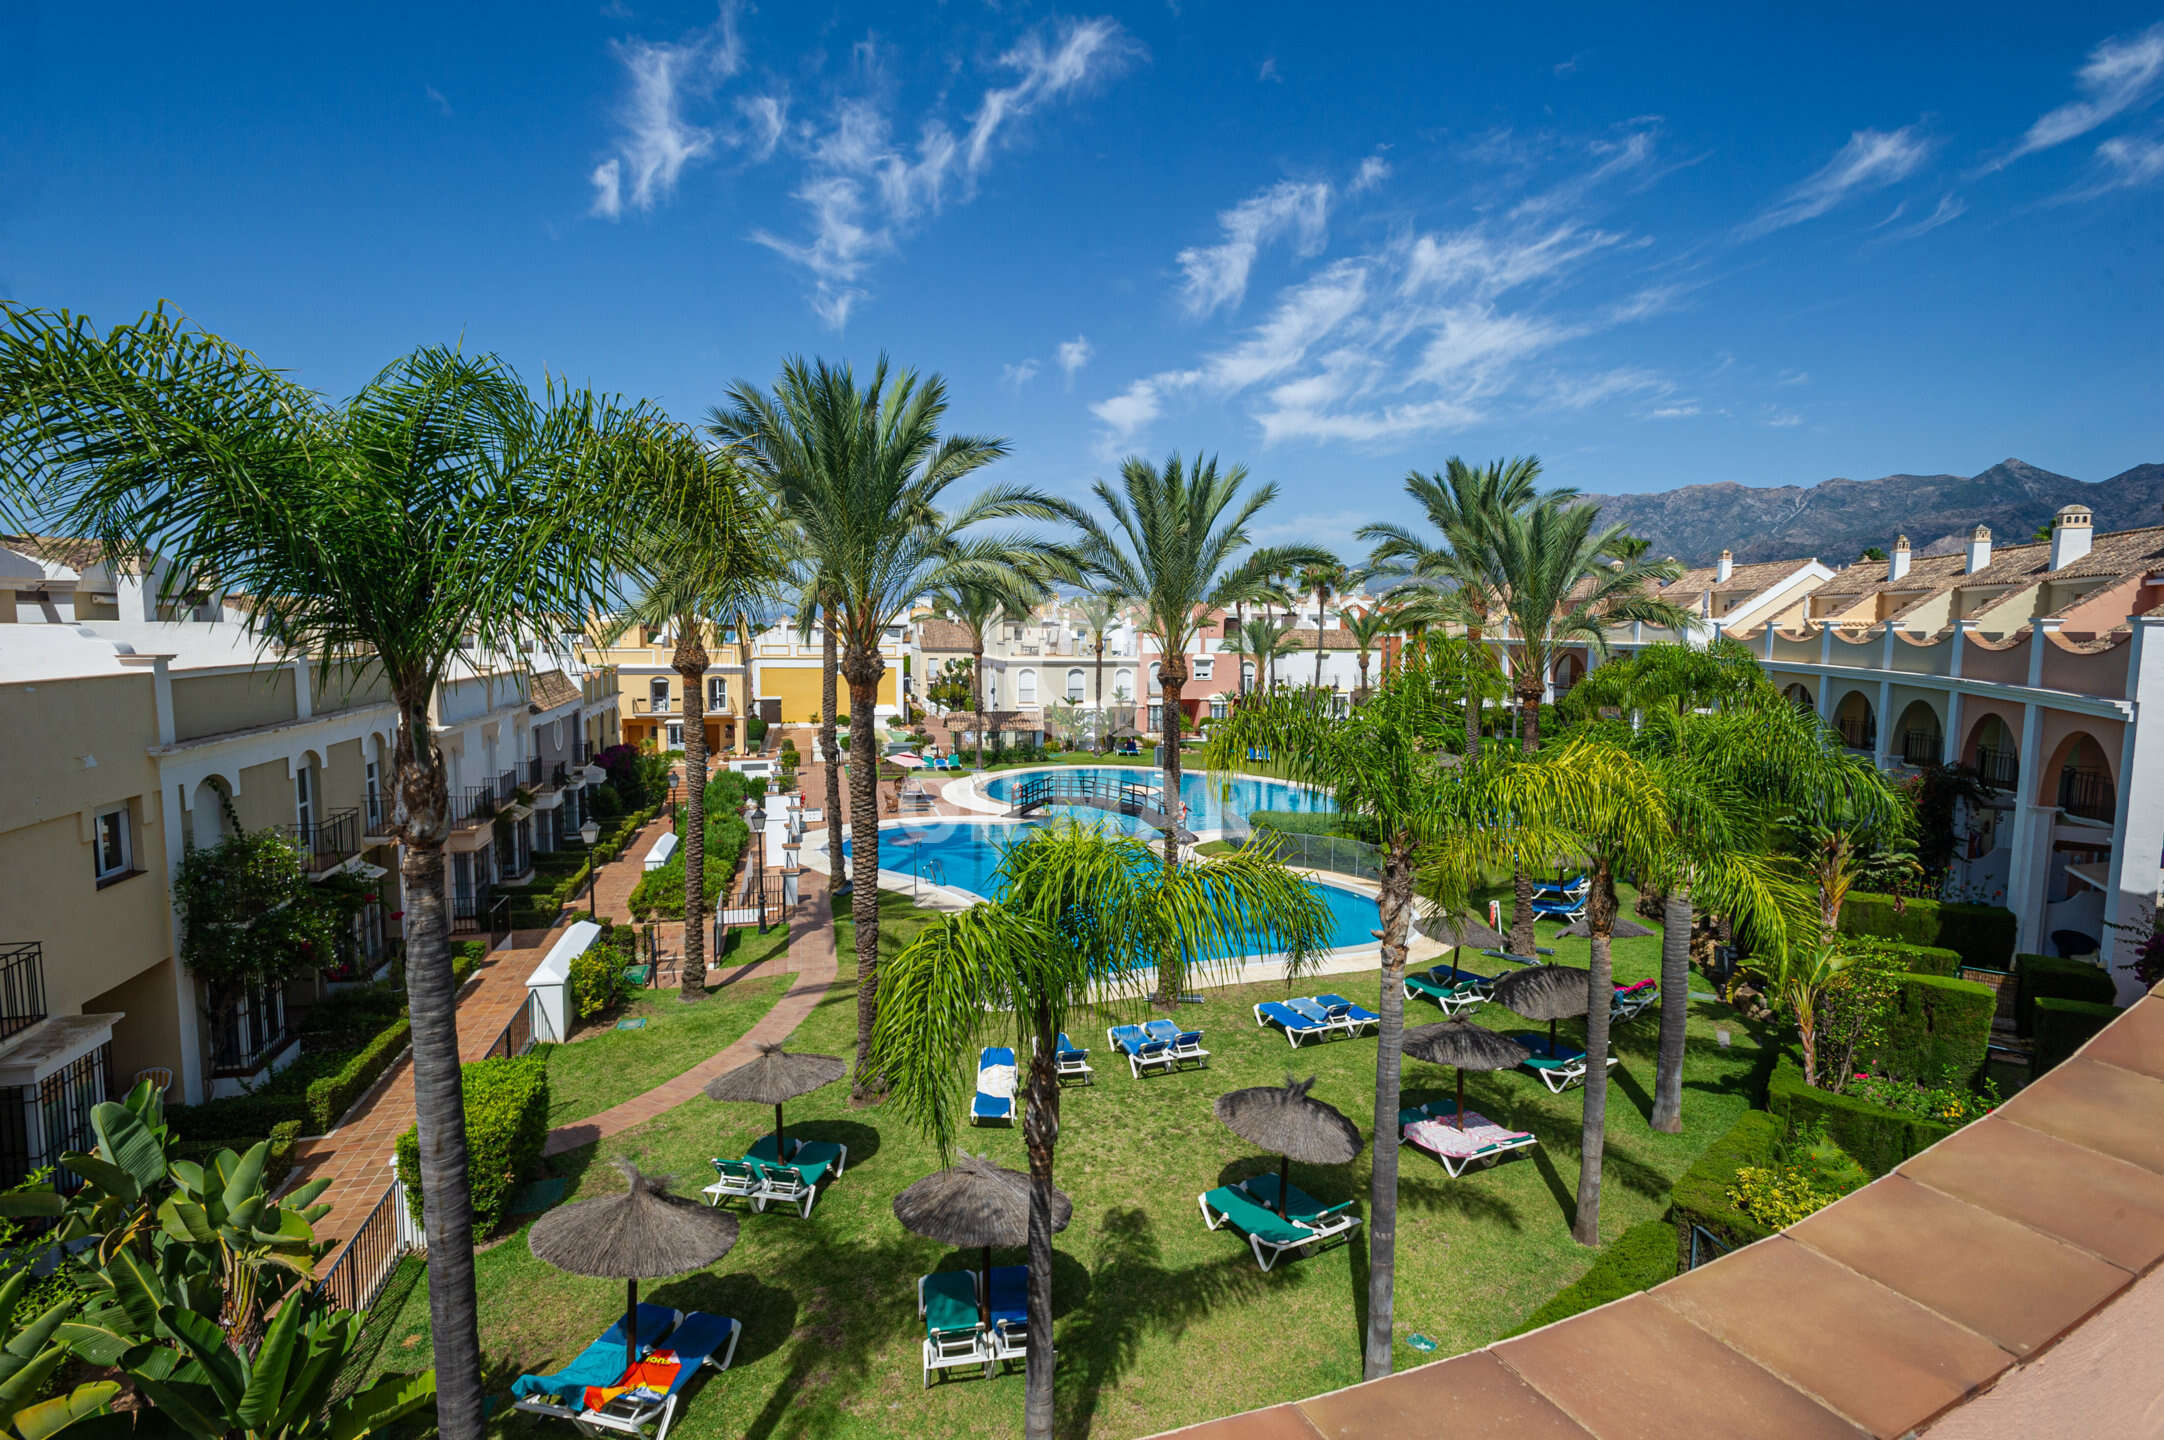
(1767, 247)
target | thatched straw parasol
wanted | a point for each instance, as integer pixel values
(974, 1205)
(774, 1077)
(1543, 992)
(642, 1234)
(1467, 1046)
(1289, 1123)
(1618, 929)
(1457, 931)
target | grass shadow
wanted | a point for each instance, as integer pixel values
(1630, 1086)
(767, 1312)
(1566, 1199)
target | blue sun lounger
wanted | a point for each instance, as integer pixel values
(563, 1393)
(1297, 1026)
(1559, 1065)
(1186, 1045)
(994, 1104)
(1343, 1012)
(699, 1340)
(1142, 1051)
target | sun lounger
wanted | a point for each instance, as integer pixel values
(1297, 1027)
(1269, 1234)
(1008, 1338)
(1434, 1128)
(1142, 1052)
(1185, 1045)
(1632, 1000)
(954, 1332)
(563, 1394)
(1559, 1066)
(701, 1340)
(1532, 959)
(1068, 1063)
(1316, 1011)
(762, 1179)
(1559, 907)
(1453, 991)
(994, 1104)
(806, 1153)
(1575, 888)
(1344, 1012)
(1299, 1205)
(738, 1180)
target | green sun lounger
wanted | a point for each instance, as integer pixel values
(1269, 1234)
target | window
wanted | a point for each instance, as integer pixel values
(304, 801)
(717, 692)
(1074, 685)
(676, 735)
(114, 843)
(1123, 686)
(1219, 709)
(1025, 688)
(1157, 718)
(1204, 665)
(657, 695)
(372, 792)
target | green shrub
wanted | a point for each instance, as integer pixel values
(596, 979)
(507, 1123)
(330, 1096)
(2036, 976)
(2064, 1026)
(1305, 822)
(1638, 1259)
(1700, 1196)
(1943, 1102)
(1916, 959)
(466, 957)
(1879, 1138)
(1939, 1027)
(754, 731)
(1983, 935)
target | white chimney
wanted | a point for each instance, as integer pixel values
(1724, 567)
(2070, 532)
(1979, 549)
(1898, 566)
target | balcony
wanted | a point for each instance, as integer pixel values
(1999, 769)
(646, 705)
(506, 786)
(1858, 734)
(328, 843)
(473, 805)
(1921, 747)
(2087, 794)
(375, 818)
(470, 905)
(245, 1037)
(22, 986)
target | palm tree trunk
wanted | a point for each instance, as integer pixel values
(1397, 909)
(690, 663)
(829, 702)
(1322, 614)
(1599, 1002)
(1040, 1133)
(1522, 938)
(1104, 733)
(976, 688)
(1675, 985)
(1172, 678)
(1239, 621)
(1477, 654)
(1362, 698)
(862, 669)
(422, 799)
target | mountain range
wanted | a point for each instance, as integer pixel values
(1836, 519)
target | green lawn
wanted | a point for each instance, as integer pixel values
(1161, 1322)
(606, 1066)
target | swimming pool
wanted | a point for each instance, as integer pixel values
(1210, 798)
(966, 857)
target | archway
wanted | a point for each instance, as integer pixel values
(1799, 695)
(2078, 779)
(1993, 751)
(1923, 740)
(1566, 673)
(1856, 721)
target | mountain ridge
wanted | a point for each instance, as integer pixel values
(1837, 518)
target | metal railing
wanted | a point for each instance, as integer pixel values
(517, 1036)
(560, 776)
(328, 842)
(1326, 852)
(469, 904)
(646, 705)
(473, 805)
(1858, 734)
(506, 786)
(246, 1035)
(374, 812)
(1921, 747)
(38, 1123)
(358, 1275)
(22, 986)
(534, 772)
(2000, 769)
(2087, 793)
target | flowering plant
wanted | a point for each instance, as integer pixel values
(1945, 1102)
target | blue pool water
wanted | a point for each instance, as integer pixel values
(1210, 798)
(966, 857)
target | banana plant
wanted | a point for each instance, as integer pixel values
(122, 1179)
(28, 1361)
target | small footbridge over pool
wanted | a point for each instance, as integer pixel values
(1091, 790)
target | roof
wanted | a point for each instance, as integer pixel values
(2112, 554)
(1868, 577)
(943, 635)
(1742, 579)
(1998, 1283)
(994, 720)
(1303, 638)
(30, 653)
(68, 552)
(549, 689)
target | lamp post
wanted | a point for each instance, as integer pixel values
(590, 832)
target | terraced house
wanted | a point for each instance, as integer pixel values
(2034, 665)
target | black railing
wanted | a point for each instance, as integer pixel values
(560, 776)
(506, 786)
(534, 772)
(356, 1277)
(374, 812)
(2087, 793)
(246, 1035)
(1858, 734)
(1090, 788)
(38, 1123)
(474, 805)
(328, 842)
(469, 903)
(22, 986)
(1921, 747)
(2000, 769)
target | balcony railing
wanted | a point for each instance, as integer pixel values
(1858, 734)
(2087, 793)
(470, 904)
(560, 776)
(327, 843)
(474, 805)
(2000, 769)
(643, 705)
(1921, 747)
(22, 986)
(506, 786)
(374, 813)
(249, 1033)
(534, 772)
(39, 1122)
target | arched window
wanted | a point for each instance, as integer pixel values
(1074, 686)
(1025, 687)
(657, 694)
(1123, 686)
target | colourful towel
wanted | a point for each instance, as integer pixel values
(1442, 1137)
(654, 1375)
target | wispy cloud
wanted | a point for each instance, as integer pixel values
(2122, 73)
(655, 140)
(1783, 420)
(1073, 355)
(1268, 71)
(1673, 412)
(1372, 172)
(1793, 377)
(436, 96)
(1950, 208)
(2123, 162)
(1014, 377)
(1871, 160)
(1570, 66)
(608, 182)
(1217, 274)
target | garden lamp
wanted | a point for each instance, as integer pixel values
(590, 832)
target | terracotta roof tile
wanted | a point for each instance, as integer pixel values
(548, 689)
(1868, 577)
(1471, 1397)
(943, 635)
(75, 552)
(2112, 553)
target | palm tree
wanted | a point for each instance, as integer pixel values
(712, 545)
(1261, 641)
(977, 606)
(861, 470)
(1101, 613)
(1323, 580)
(1384, 766)
(1555, 587)
(1174, 542)
(1368, 628)
(1079, 910)
(1465, 505)
(817, 603)
(443, 501)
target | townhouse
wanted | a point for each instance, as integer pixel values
(650, 692)
(788, 666)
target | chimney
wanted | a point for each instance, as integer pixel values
(1724, 567)
(1898, 565)
(1979, 549)
(2070, 532)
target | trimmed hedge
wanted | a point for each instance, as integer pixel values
(1700, 1196)
(1940, 1026)
(2064, 1026)
(1638, 1259)
(1922, 959)
(2038, 976)
(507, 1123)
(1879, 1138)
(330, 1096)
(1305, 822)
(1983, 935)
